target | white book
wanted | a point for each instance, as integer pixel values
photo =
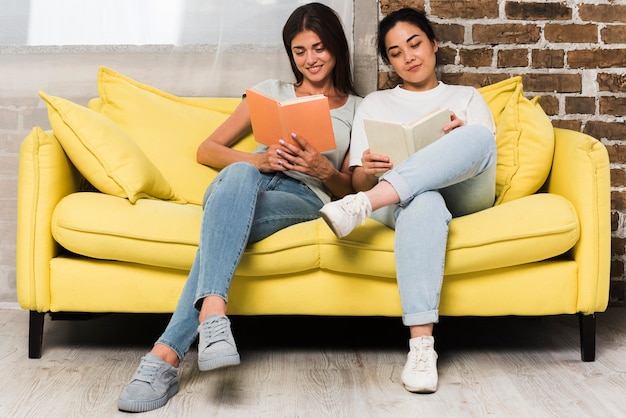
(399, 141)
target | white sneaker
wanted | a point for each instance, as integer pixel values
(420, 371)
(343, 215)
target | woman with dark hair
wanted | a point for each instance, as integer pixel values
(454, 176)
(255, 195)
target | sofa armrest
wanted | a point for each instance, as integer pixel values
(581, 173)
(45, 176)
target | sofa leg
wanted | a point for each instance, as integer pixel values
(587, 337)
(35, 334)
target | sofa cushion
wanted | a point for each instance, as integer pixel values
(106, 227)
(96, 225)
(167, 128)
(104, 154)
(524, 138)
(529, 229)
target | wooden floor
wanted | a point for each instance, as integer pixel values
(323, 367)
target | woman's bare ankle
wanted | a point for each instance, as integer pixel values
(166, 354)
(212, 305)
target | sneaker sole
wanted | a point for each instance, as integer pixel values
(216, 363)
(420, 390)
(144, 406)
(331, 224)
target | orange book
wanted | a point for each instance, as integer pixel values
(308, 117)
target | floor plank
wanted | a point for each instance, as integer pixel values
(323, 367)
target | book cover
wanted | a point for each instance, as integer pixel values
(399, 141)
(307, 116)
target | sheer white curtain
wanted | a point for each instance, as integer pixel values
(153, 22)
(189, 47)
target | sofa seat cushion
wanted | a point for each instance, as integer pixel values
(526, 230)
(165, 234)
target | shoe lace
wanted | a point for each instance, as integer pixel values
(420, 359)
(356, 208)
(216, 330)
(147, 371)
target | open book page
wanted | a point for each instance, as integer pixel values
(308, 116)
(427, 129)
(387, 138)
(399, 141)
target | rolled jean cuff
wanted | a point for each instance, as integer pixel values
(172, 347)
(399, 185)
(199, 298)
(422, 318)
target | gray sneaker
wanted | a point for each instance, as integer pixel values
(153, 384)
(216, 346)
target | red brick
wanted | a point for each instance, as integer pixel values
(512, 58)
(602, 12)
(446, 55)
(548, 58)
(480, 57)
(562, 83)
(537, 11)
(582, 105)
(388, 6)
(614, 83)
(614, 34)
(571, 33)
(474, 9)
(511, 33)
(473, 79)
(597, 58)
(549, 104)
(618, 200)
(618, 177)
(572, 124)
(449, 32)
(617, 153)
(613, 106)
(611, 131)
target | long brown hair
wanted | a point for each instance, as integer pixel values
(326, 24)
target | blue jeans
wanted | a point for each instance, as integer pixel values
(454, 176)
(241, 205)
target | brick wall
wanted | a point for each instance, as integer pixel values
(572, 53)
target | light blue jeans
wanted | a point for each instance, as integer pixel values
(241, 205)
(452, 177)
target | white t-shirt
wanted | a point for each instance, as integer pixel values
(404, 106)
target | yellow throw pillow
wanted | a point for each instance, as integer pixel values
(104, 154)
(167, 128)
(524, 139)
(497, 95)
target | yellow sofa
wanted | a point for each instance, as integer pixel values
(109, 215)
